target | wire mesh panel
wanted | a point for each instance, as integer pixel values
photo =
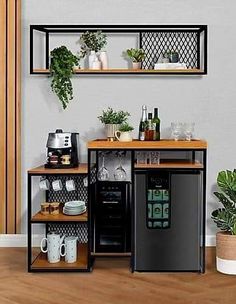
(70, 229)
(186, 43)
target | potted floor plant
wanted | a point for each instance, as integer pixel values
(124, 133)
(112, 120)
(225, 219)
(61, 70)
(91, 44)
(137, 56)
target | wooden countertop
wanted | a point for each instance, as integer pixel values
(82, 169)
(137, 144)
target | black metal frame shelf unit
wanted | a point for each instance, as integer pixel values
(190, 41)
(63, 225)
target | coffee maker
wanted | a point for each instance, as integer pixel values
(62, 150)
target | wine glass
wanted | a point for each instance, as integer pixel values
(103, 173)
(120, 174)
(176, 130)
(188, 130)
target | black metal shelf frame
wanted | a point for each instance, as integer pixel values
(92, 154)
(189, 40)
(81, 229)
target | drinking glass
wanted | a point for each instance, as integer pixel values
(141, 157)
(176, 130)
(155, 157)
(188, 130)
(120, 174)
(103, 173)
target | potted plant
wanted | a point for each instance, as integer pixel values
(171, 56)
(91, 43)
(61, 69)
(137, 56)
(112, 120)
(225, 219)
(124, 133)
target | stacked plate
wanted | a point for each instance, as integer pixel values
(74, 208)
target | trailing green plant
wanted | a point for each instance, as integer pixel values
(92, 41)
(125, 127)
(61, 69)
(136, 55)
(110, 116)
(225, 218)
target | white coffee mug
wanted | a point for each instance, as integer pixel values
(70, 185)
(57, 185)
(123, 136)
(70, 249)
(85, 181)
(44, 184)
(53, 248)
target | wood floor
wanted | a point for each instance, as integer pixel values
(110, 283)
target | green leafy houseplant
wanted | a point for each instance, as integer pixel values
(61, 69)
(225, 218)
(125, 127)
(136, 55)
(110, 116)
(92, 41)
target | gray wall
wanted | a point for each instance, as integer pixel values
(209, 101)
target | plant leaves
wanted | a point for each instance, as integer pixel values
(224, 219)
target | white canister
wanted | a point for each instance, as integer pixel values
(97, 65)
(70, 247)
(53, 248)
(104, 60)
(92, 57)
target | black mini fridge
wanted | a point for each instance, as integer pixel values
(167, 222)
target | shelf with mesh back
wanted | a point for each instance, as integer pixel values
(189, 41)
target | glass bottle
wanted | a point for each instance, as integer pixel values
(143, 123)
(156, 123)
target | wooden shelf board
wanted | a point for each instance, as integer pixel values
(39, 217)
(171, 164)
(111, 254)
(82, 169)
(128, 71)
(41, 261)
(137, 144)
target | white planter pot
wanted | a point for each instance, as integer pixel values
(226, 253)
(91, 58)
(124, 136)
(136, 65)
(104, 60)
(110, 131)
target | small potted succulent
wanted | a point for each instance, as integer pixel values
(61, 70)
(225, 219)
(124, 133)
(112, 120)
(171, 56)
(137, 56)
(92, 43)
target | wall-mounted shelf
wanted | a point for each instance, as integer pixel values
(190, 41)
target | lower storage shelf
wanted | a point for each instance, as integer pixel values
(41, 263)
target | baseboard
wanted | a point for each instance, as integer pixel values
(20, 240)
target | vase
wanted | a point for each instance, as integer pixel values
(110, 131)
(96, 64)
(92, 57)
(226, 253)
(104, 60)
(136, 65)
(124, 136)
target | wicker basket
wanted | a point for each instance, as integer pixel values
(226, 253)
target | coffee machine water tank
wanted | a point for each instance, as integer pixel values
(59, 140)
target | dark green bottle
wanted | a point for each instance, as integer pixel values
(156, 121)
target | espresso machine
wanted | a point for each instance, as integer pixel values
(62, 150)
